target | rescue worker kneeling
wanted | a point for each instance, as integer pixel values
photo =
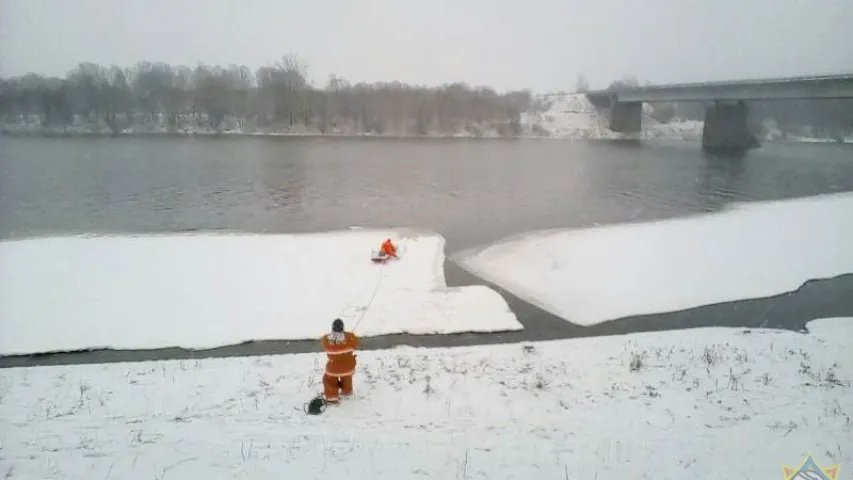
(340, 366)
(388, 248)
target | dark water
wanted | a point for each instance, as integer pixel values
(471, 191)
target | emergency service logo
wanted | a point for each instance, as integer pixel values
(810, 470)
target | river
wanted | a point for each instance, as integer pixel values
(472, 191)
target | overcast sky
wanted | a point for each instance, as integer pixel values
(538, 44)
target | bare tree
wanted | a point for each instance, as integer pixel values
(241, 89)
(117, 98)
(88, 82)
(212, 93)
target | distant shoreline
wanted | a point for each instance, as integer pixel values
(557, 117)
(260, 134)
(385, 136)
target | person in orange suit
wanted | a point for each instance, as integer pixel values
(340, 349)
(388, 248)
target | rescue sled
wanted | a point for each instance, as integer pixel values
(378, 256)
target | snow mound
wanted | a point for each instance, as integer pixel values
(829, 328)
(204, 291)
(571, 117)
(574, 117)
(748, 251)
(689, 404)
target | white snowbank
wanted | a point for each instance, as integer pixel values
(698, 404)
(574, 117)
(202, 291)
(677, 129)
(749, 251)
(571, 116)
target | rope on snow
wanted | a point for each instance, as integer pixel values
(370, 302)
(318, 404)
(400, 252)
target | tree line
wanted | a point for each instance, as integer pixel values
(279, 98)
(276, 97)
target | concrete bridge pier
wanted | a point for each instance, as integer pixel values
(626, 116)
(726, 127)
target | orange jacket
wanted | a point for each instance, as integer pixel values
(389, 248)
(341, 355)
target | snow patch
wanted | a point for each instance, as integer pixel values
(205, 291)
(747, 251)
(691, 404)
(574, 117)
(828, 327)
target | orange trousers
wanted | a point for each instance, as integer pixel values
(332, 388)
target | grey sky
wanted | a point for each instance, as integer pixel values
(538, 44)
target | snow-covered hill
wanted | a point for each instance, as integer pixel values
(573, 116)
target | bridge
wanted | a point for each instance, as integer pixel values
(726, 111)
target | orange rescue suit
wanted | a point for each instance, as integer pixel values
(388, 248)
(340, 366)
(341, 356)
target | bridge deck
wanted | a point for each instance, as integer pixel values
(828, 86)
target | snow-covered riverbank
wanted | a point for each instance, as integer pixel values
(751, 250)
(701, 403)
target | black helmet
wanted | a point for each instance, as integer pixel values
(338, 325)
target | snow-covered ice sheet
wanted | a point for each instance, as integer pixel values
(747, 251)
(692, 404)
(202, 291)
